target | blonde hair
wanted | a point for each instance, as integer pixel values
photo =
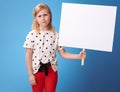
(35, 25)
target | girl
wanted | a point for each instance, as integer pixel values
(41, 44)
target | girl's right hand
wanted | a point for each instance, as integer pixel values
(32, 80)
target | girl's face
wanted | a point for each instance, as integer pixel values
(43, 19)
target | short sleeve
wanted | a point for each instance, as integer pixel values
(60, 48)
(29, 42)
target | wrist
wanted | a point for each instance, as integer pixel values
(79, 56)
(30, 74)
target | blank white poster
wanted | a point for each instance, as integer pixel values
(87, 26)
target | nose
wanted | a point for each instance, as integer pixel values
(43, 18)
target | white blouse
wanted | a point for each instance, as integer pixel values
(44, 46)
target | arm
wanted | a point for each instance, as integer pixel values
(29, 66)
(29, 61)
(68, 55)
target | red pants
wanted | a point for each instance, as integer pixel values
(45, 83)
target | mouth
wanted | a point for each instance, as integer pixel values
(43, 22)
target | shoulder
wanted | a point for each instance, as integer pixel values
(56, 33)
(31, 33)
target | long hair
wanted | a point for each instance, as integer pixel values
(35, 25)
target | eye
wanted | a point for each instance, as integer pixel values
(45, 14)
(39, 16)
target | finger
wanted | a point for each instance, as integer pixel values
(83, 55)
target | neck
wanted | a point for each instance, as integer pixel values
(43, 28)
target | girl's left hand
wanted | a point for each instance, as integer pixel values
(82, 55)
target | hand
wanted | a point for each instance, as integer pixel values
(32, 80)
(82, 55)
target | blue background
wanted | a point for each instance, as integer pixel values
(101, 72)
